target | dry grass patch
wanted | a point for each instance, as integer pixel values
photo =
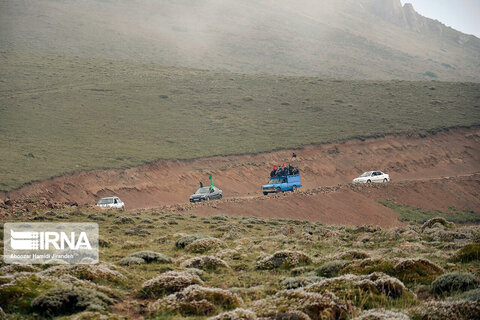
(284, 259)
(168, 283)
(197, 300)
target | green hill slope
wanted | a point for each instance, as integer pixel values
(60, 114)
(367, 39)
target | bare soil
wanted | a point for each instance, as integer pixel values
(352, 204)
(431, 171)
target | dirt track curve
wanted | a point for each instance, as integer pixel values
(431, 171)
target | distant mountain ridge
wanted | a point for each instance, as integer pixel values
(406, 17)
(359, 39)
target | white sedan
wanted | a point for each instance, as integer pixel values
(111, 202)
(372, 176)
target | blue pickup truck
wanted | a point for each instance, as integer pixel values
(282, 183)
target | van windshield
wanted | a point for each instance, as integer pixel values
(275, 181)
(106, 201)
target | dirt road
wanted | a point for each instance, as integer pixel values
(352, 204)
(419, 162)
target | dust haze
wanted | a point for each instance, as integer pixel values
(368, 39)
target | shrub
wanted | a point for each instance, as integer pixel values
(220, 217)
(103, 243)
(470, 252)
(367, 266)
(131, 245)
(232, 231)
(302, 270)
(185, 241)
(124, 220)
(96, 217)
(381, 314)
(128, 261)
(205, 263)
(14, 268)
(89, 315)
(250, 293)
(284, 259)
(444, 236)
(407, 270)
(228, 253)
(368, 291)
(68, 300)
(472, 295)
(195, 271)
(137, 232)
(168, 283)
(204, 245)
(237, 314)
(252, 220)
(447, 310)
(352, 255)
(150, 256)
(330, 269)
(388, 286)
(197, 300)
(430, 223)
(91, 272)
(417, 271)
(297, 282)
(298, 304)
(17, 292)
(454, 282)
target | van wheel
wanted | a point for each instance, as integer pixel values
(279, 190)
(294, 189)
(369, 181)
(265, 193)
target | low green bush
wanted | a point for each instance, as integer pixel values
(68, 300)
(284, 259)
(472, 295)
(330, 269)
(470, 252)
(454, 282)
(186, 240)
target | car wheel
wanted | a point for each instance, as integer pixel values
(385, 180)
(279, 190)
(294, 188)
(369, 181)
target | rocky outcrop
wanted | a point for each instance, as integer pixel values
(405, 17)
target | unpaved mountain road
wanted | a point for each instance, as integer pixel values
(351, 204)
(431, 171)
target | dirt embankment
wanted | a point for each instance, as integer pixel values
(406, 158)
(353, 204)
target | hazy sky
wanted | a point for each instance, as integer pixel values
(462, 15)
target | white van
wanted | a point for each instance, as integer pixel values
(111, 202)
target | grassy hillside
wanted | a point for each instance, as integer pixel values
(367, 39)
(420, 215)
(61, 114)
(270, 267)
